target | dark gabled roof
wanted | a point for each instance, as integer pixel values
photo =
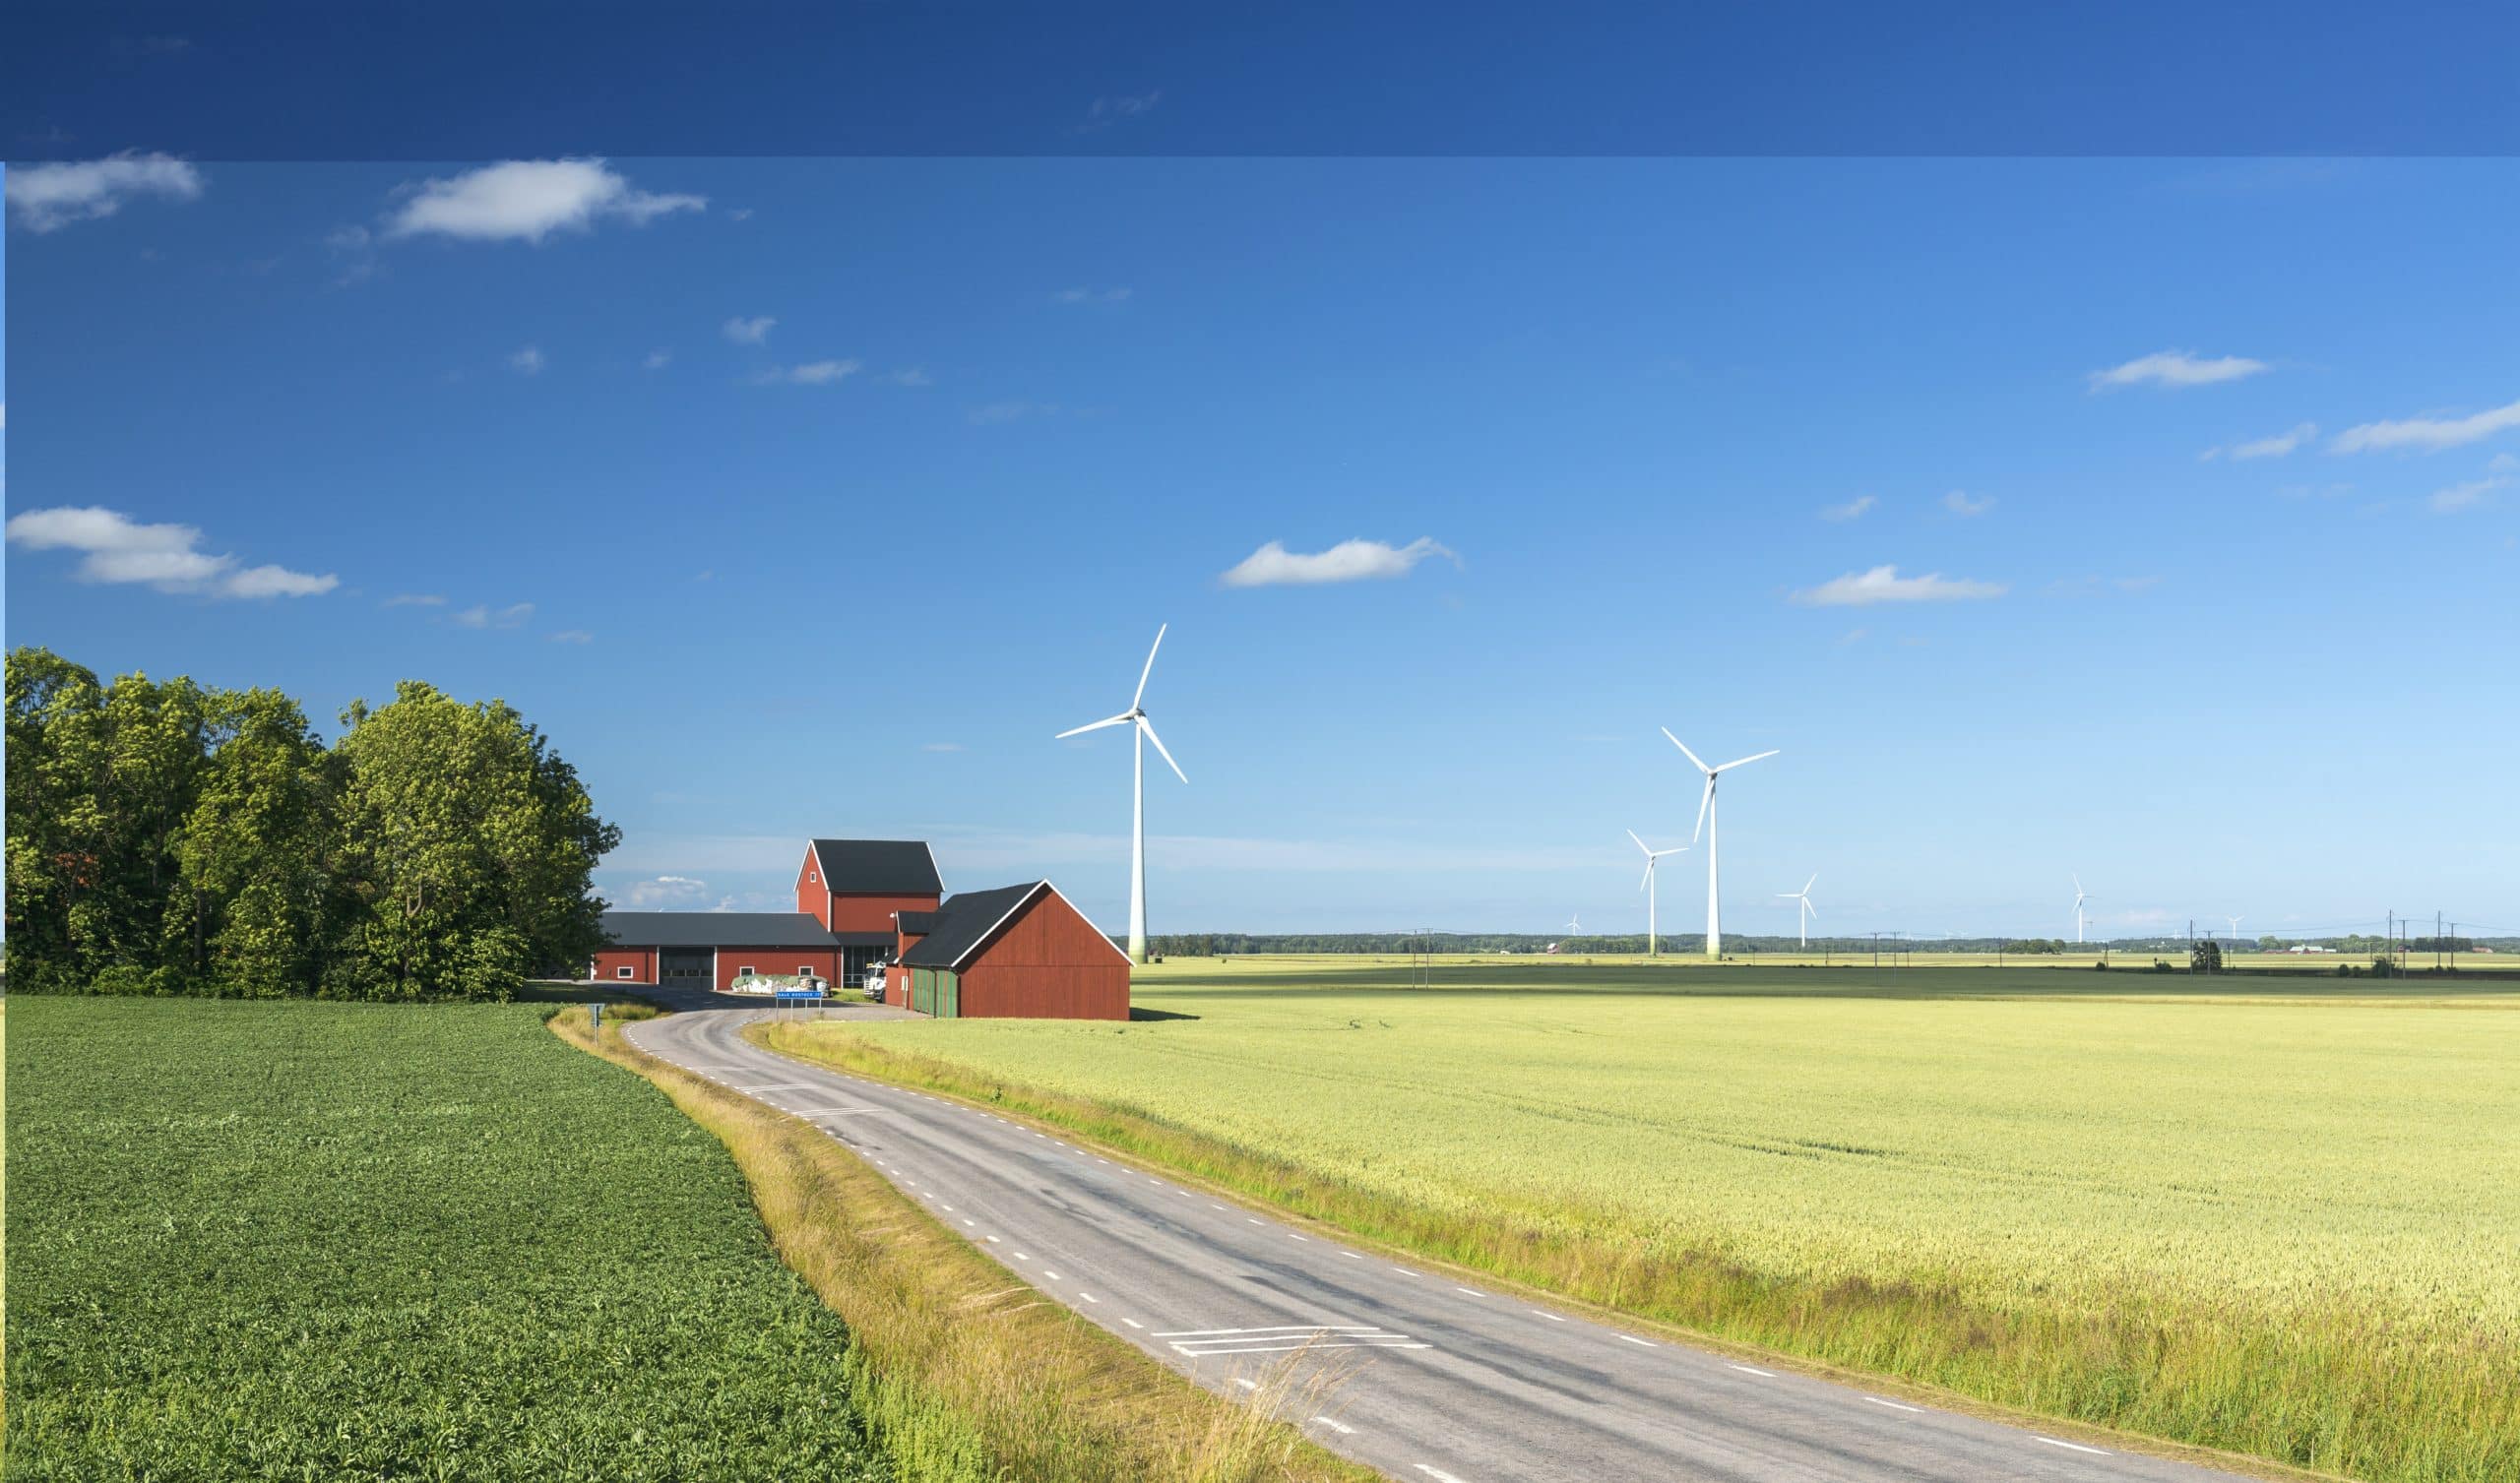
(964, 922)
(877, 867)
(717, 929)
(918, 922)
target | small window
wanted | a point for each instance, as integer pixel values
(812, 878)
(804, 971)
(622, 972)
(744, 972)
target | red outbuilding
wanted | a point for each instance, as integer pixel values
(873, 913)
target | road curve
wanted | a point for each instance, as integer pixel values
(1444, 1380)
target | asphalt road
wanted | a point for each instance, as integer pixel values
(1437, 1377)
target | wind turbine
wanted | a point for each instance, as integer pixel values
(1136, 715)
(1805, 896)
(2080, 897)
(1575, 925)
(1706, 823)
(1652, 856)
(2235, 928)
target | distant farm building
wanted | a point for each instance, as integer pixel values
(873, 913)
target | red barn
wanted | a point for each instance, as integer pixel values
(875, 909)
(1015, 952)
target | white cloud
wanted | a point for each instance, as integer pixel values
(943, 747)
(114, 548)
(2175, 368)
(1273, 565)
(2275, 446)
(656, 360)
(1091, 296)
(1885, 584)
(528, 200)
(527, 361)
(912, 377)
(482, 615)
(573, 636)
(1959, 502)
(1853, 508)
(811, 373)
(2501, 462)
(674, 893)
(2465, 496)
(2430, 434)
(1008, 411)
(1112, 109)
(416, 599)
(749, 331)
(48, 197)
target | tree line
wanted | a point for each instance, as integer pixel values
(168, 838)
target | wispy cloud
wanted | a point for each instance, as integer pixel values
(414, 599)
(943, 747)
(674, 893)
(2429, 433)
(1885, 584)
(1091, 296)
(913, 376)
(2275, 446)
(1273, 565)
(115, 548)
(656, 360)
(2174, 368)
(1008, 411)
(482, 615)
(1853, 508)
(1120, 107)
(748, 331)
(48, 197)
(2467, 496)
(1959, 502)
(573, 636)
(525, 360)
(811, 373)
(526, 200)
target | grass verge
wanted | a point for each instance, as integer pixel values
(961, 1370)
(2323, 1400)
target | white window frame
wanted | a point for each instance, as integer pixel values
(744, 972)
(805, 970)
(623, 971)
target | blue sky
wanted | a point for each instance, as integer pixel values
(846, 570)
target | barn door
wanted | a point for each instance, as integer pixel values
(949, 994)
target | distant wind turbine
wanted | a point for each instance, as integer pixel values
(1805, 896)
(1706, 825)
(1574, 925)
(2080, 897)
(1136, 715)
(1652, 856)
(2236, 928)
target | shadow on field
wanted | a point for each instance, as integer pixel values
(1139, 1012)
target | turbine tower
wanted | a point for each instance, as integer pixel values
(2235, 928)
(1652, 856)
(1706, 825)
(2080, 897)
(1136, 715)
(1805, 896)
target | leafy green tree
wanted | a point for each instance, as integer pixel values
(256, 903)
(467, 844)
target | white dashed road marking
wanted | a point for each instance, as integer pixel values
(1633, 1339)
(2074, 1445)
(1341, 1427)
(1543, 1312)
(1892, 1405)
(1750, 1369)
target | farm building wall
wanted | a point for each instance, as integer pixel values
(1048, 964)
(732, 961)
(871, 914)
(641, 962)
(811, 895)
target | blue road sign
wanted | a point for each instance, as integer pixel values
(785, 996)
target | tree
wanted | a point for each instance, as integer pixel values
(256, 906)
(468, 848)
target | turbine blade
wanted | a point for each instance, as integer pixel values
(1642, 880)
(1808, 909)
(1640, 844)
(1118, 720)
(1814, 880)
(1703, 800)
(1730, 766)
(1148, 729)
(1684, 751)
(1149, 666)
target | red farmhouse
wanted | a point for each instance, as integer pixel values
(873, 911)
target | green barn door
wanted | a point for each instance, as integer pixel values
(949, 994)
(922, 990)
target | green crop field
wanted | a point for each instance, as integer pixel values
(325, 1241)
(2281, 1223)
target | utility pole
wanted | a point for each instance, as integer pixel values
(2436, 940)
(1876, 949)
